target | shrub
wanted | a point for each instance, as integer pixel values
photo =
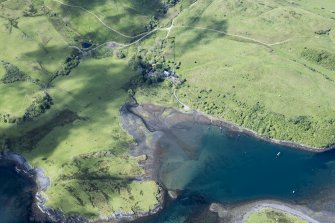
(321, 57)
(302, 121)
(119, 54)
(12, 74)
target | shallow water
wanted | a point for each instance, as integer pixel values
(210, 164)
(15, 196)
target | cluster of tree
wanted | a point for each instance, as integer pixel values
(120, 54)
(12, 73)
(172, 2)
(39, 106)
(321, 57)
(302, 121)
(71, 62)
(323, 32)
(148, 73)
(35, 8)
(30, 11)
(152, 23)
(7, 118)
(160, 13)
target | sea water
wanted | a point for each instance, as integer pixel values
(212, 164)
(16, 195)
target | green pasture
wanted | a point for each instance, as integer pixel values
(101, 21)
(35, 47)
(250, 63)
(87, 160)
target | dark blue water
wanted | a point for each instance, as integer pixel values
(86, 45)
(209, 164)
(215, 165)
(16, 195)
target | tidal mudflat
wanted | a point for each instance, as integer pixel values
(204, 163)
(200, 161)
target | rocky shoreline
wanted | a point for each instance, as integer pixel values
(211, 120)
(240, 213)
(40, 213)
(224, 123)
(152, 118)
(157, 118)
(22, 167)
(203, 118)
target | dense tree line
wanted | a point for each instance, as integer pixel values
(40, 104)
(160, 13)
(148, 73)
(72, 61)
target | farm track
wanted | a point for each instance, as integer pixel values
(168, 30)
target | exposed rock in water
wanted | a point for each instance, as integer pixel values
(173, 194)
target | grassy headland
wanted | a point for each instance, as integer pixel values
(61, 107)
(269, 215)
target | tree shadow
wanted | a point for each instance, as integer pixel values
(29, 140)
(46, 56)
(125, 17)
(97, 91)
(193, 34)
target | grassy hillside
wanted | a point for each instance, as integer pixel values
(88, 159)
(60, 108)
(107, 20)
(265, 65)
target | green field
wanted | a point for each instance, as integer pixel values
(269, 215)
(107, 20)
(99, 184)
(267, 65)
(264, 65)
(74, 134)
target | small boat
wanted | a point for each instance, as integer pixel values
(278, 154)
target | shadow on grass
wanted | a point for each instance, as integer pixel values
(123, 17)
(194, 33)
(92, 194)
(97, 90)
(47, 55)
(29, 140)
